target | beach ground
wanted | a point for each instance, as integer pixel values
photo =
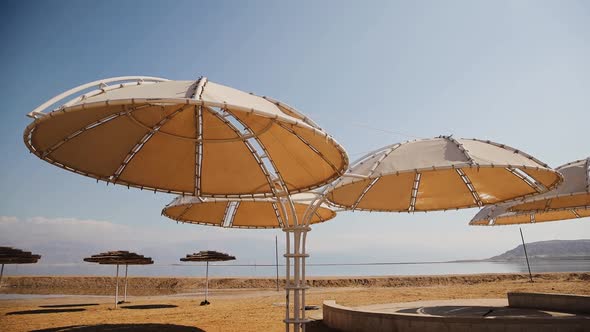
(247, 310)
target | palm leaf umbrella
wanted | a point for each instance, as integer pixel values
(119, 257)
(9, 255)
(207, 256)
(570, 200)
(440, 174)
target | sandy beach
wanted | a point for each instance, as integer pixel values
(236, 307)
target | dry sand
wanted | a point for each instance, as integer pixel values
(261, 309)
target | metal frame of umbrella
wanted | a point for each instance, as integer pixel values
(207, 256)
(463, 165)
(119, 258)
(9, 255)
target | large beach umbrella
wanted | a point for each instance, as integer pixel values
(261, 213)
(570, 200)
(500, 214)
(117, 258)
(191, 138)
(242, 213)
(186, 137)
(573, 192)
(207, 256)
(9, 255)
(440, 174)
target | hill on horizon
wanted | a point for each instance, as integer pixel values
(548, 249)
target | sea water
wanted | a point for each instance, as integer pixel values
(227, 269)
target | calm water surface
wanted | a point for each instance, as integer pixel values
(236, 270)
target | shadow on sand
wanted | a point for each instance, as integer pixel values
(149, 306)
(318, 326)
(477, 311)
(68, 305)
(44, 311)
(123, 328)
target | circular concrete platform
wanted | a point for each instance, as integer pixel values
(450, 315)
(462, 308)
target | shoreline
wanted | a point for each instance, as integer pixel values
(255, 309)
(154, 286)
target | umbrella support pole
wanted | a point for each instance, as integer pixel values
(117, 288)
(125, 296)
(295, 284)
(525, 255)
(277, 259)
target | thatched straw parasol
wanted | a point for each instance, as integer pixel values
(119, 258)
(207, 256)
(440, 174)
(570, 200)
(9, 255)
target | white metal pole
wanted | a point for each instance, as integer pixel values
(117, 288)
(295, 254)
(304, 255)
(277, 259)
(287, 279)
(125, 297)
(297, 279)
(207, 283)
(525, 255)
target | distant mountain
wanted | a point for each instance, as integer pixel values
(548, 250)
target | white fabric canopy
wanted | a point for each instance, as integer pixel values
(187, 137)
(241, 213)
(570, 200)
(441, 173)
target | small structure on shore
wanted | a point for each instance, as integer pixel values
(119, 258)
(9, 255)
(207, 256)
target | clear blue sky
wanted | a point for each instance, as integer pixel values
(371, 74)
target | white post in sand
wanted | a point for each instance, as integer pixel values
(117, 288)
(125, 296)
(207, 283)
